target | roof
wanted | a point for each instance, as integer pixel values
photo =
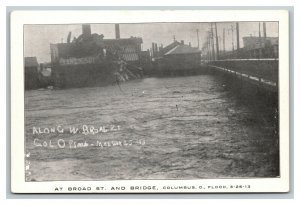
(182, 49)
(31, 62)
(170, 46)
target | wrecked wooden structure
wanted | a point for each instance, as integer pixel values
(91, 60)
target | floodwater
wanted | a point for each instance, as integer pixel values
(155, 128)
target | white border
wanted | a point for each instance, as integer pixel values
(19, 18)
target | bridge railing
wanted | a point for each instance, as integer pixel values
(263, 71)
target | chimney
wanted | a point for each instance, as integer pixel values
(190, 45)
(117, 30)
(86, 31)
(69, 37)
(182, 42)
(160, 48)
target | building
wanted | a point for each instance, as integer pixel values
(31, 73)
(261, 47)
(180, 58)
(91, 60)
(254, 42)
(158, 52)
(93, 48)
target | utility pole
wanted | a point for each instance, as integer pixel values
(260, 42)
(212, 44)
(220, 45)
(265, 29)
(224, 40)
(259, 35)
(237, 36)
(232, 37)
(259, 30)
(217, 42)
(208, 48)
(198, 37)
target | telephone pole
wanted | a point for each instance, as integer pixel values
(208, 48)
(237, 36)
(265, 29)
(232, 38)
(212, 39)
(217, 41)
(224, 40)
(198, 37)
(259, 35)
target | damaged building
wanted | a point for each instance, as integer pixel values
(92, 60)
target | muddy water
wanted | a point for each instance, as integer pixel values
(155, 128)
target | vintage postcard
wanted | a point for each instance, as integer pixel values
(189, 101)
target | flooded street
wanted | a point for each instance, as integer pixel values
(155, 128)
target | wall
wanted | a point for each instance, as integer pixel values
(31, 78)
(266, 69)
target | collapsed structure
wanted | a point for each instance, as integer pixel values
(91, 60)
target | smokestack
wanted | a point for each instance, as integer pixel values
(86, 31)
(160, 47)
(155, 47)
(117, 30)
(69, 37)
(182, 42)
(153, 50)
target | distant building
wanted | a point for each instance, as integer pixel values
(254, 42)
(31, 73)
(180, 57)
(183, 57)
(169, 47)
(261, 47)
(159, 52)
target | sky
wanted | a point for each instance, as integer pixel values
(37, 38)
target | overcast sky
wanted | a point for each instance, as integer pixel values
(37, 38)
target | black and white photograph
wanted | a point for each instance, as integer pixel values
(197, 100)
